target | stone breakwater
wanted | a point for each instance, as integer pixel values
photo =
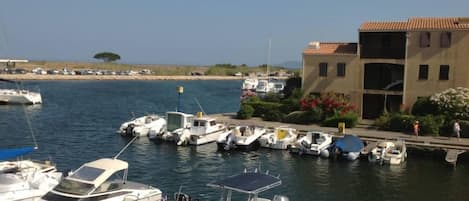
(113, 77)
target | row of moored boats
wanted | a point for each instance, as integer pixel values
(105, 179)
(187, 129)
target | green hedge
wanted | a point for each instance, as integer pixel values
(245, 112)
(303, 117)
(423, 106)
(261, 108)
(350, 119)
(428, 125)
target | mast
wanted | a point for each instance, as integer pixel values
(268, 58)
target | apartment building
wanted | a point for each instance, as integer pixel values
(393, 63)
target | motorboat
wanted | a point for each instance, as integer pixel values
(204, 130)
(282, 138)
(142, 125)
(250, 84)
(241, 137)
(388, 152)
(348, 147)
(270, 85)
(103, 179)
(251, 184)
(264, 86)
(314, 143)
(25, 179)
(18, 96)
(176, 122)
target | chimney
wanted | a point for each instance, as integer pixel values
(314, 45)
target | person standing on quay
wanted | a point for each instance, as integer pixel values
(457, 129)
(416, 128)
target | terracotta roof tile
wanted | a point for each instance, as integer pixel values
(418, 23)
(384, 26)
(437, 23)
(332, 48)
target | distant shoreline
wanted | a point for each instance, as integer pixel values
(31, 76)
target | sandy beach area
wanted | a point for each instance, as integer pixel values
(30, 76)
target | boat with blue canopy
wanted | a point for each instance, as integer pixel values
(6, 154)
(348, 146)
(25, 179)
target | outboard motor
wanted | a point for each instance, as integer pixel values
(184, 138)
(280, 198)
(129, 130)
(229, 143)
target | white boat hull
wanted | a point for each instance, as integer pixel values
(8, 96)
(205, 138)
(30, 182)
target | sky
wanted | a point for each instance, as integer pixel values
(197, 32)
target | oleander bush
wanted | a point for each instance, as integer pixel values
(453, 102)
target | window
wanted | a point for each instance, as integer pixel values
(423, 72)
(340, 69)
(444, 72)
(445, 40)
(323, 69)
(425, 39)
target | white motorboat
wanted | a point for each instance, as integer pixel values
(176, 122)
(26, 179)
(314, 143)
(247, 183)
(241, 137)
(264, 86)
(17, 96)
(271, 85)
(388, 152)
(142, 125)
(204, 130)
(281, 138)
(249, 84)
(104, 179)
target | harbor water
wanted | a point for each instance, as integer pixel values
(78, 120)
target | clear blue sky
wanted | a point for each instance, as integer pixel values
(201, 32)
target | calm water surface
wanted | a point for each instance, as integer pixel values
(78, 120)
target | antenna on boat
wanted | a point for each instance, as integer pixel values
(200, 106)
(125, 147)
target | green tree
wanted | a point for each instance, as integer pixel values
(107, 56)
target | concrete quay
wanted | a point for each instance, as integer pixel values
(451, 145)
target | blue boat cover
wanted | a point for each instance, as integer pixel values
(248, 182)
(12, 153)
(349, 143)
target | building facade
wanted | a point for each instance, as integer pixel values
(393, 63)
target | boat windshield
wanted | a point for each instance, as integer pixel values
(174, 122)
(74, 187)
(87, 173)
(84, 173)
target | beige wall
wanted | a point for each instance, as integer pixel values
(456, 56)
(350, 85)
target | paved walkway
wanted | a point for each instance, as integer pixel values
(444, 143)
